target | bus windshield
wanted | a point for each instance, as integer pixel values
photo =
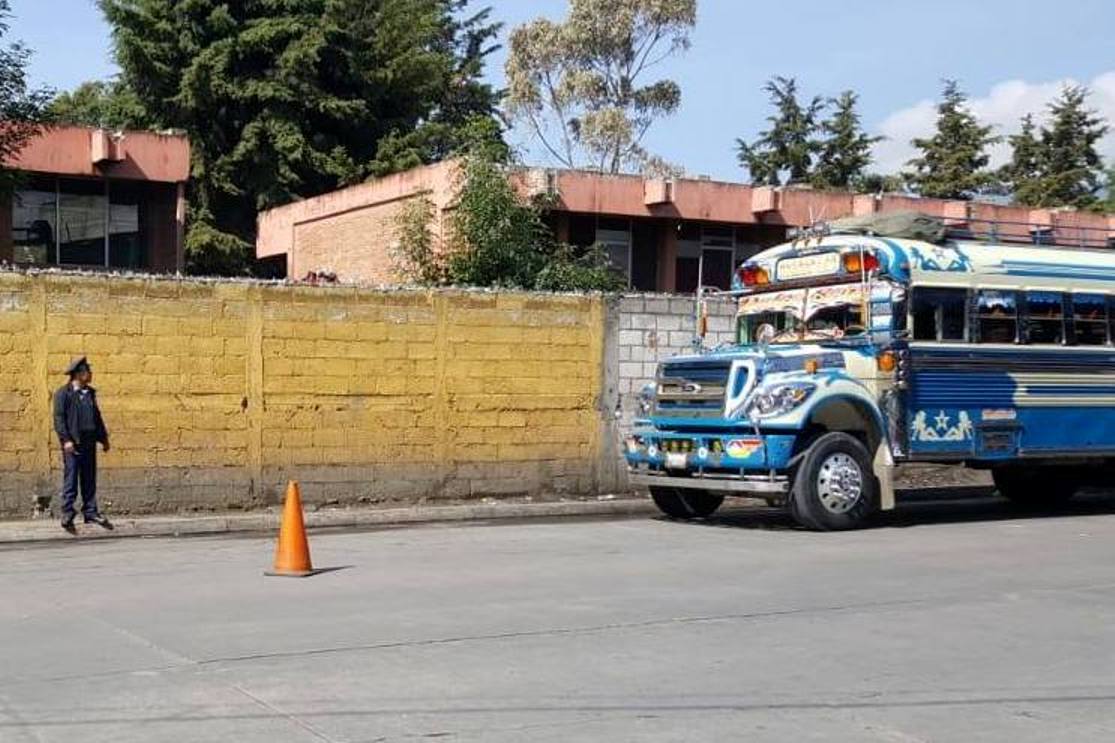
(828, 324)
(817, 314)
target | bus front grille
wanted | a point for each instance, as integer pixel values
(692, 389)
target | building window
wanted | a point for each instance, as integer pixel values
(614, 236)
(125, 226)
(939, 314)
(34, 224)
(82, 223)
(644, 256)
(73, 222)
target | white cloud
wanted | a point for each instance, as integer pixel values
(1005, 104)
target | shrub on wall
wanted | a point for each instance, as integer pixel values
(496, 238)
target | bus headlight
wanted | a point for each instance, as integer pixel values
(646, 400)
(778, 399)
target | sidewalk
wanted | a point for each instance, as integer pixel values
(48, 529)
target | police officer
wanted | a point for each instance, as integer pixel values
(78, 423)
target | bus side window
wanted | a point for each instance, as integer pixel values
(1090, 320)
(939, 314)
(997, 316)
(1045, 317)
(1111, 320)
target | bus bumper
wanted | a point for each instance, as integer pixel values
(758, 485)
(729, 463)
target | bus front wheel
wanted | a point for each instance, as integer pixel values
(834, 486)
(685, 504)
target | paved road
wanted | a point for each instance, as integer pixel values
(954, 622)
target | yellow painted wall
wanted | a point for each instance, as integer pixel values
(215, 393)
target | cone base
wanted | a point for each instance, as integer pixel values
(289, 573)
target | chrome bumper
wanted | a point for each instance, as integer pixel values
(758, 484)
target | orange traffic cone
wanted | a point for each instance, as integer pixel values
(292, 553)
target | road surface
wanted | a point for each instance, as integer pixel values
(951, 622)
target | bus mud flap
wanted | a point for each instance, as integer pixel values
(884, 473)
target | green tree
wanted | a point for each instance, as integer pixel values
(1108, 204)
(1071, 170)
(1022, 175)
(22, 108)
(579, 84)
(285, 99)
(108, 104)
(953, 162)
(785, 151)
(879, 183)
(845, 149)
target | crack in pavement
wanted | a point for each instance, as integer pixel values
(486, 637)
(294, 719)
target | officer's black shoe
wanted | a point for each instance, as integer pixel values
(68, 525)
(99, 520)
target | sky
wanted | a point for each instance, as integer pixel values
(1010, 56)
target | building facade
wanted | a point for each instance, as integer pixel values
(91, 199)
(661, 235)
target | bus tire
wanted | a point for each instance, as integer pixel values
(1035, 487)
(834, 487)
(685, 504)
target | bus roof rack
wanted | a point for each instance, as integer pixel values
(907, 224)
(914, 225)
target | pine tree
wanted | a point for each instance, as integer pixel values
(787, 148)
(953, 161)
(1108, 204)
(285, 99)
(1022, 175)
(1071, 168)
(845, 149)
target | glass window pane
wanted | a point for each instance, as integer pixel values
(34, 216)
(81, 229)
(1089, 316)
(717, 269)
(997, 313)
(939, 314)
(126, 246)
(1044, 318)
(582, 230)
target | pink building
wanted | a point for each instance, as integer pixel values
(89, 198)
(656, 232)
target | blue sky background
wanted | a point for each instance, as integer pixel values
(1010, 55)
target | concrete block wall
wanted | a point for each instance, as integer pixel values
(217, 393)
(654, 327)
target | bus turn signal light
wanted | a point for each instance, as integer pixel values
(887, 361)
(752, 275)
(852, 263)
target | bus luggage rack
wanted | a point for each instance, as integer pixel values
(1053, 234)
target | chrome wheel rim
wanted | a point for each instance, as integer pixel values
(839, 483)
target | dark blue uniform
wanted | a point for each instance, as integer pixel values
(77, 419)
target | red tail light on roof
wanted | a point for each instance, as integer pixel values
(852, 263)
(752, 275)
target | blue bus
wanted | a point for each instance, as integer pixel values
(858, 352)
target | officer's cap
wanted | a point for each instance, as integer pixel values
(77, 365)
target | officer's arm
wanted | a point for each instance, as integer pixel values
(60, 417)
(102, 430)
